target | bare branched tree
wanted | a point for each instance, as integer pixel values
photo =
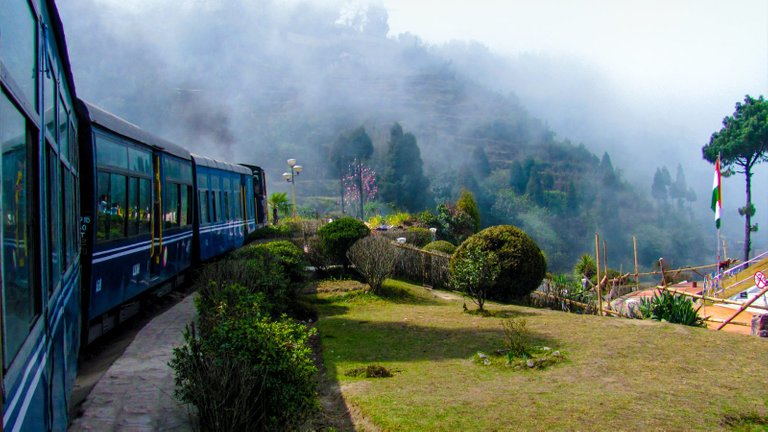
(374, 258)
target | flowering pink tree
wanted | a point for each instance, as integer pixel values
(359, 177)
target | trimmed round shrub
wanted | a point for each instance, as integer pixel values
(522, 264)
(338, 236)
(440, 246)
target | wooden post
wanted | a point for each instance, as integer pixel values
(599, 282)
(725, 253)
(743, 308)
(637, 275)
(605, 258)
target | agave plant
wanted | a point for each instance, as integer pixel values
(669, 307)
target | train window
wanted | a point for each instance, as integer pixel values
(66, 197)
(117, 206)
(185, 214)
(226, 206)
(21, 302)
(53, 217)
(213, 206)
(171, 205)
(63, 130)
(110, 152)
(18, 46)
(145, 213)
(74, 157)
(238, 204)
(133, 206)
(112, 205)
(139, 161)
(49, 100)
(102, 221)
(71, 217)
(203, 206)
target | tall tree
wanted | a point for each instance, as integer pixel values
(468, 205)
(480, 163)
(661, 181)
(350, 149)
(403, 182)
(742, 143)
(518, 178)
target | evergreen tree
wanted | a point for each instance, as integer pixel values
(518, 179)
(480, 164)
(610, 178)
(468, 205)
(742, 142)
(403, 182)
(534, 189)
(659, 189)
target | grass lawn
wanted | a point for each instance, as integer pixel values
(618, 374)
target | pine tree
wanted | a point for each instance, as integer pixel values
(403, 182)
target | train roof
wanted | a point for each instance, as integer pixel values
(226, 166)
(61, 41)
(123, 127)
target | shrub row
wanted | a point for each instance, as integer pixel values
(247, 366)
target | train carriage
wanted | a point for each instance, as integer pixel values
(223, 210)
(137, 209)
(39, 258)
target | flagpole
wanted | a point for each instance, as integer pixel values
(720, 198)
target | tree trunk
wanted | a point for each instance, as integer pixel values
(274, 215)
(748, 214)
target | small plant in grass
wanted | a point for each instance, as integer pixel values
(516, 338)
(370, 371)
(474, 273)
(374, 258)
(666, 306)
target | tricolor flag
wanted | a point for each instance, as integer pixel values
(717, 195)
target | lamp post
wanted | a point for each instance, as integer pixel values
(290, 177)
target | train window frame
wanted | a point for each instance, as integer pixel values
(13, 345)
(106, 209)
(22, 27)
(53, 213)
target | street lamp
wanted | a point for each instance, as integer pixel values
(289, 177)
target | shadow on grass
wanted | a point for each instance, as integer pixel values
(394, 292)
(365, 341)
(500, 313)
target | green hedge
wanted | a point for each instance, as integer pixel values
(440, 246)
(245, 371)
(338, 236)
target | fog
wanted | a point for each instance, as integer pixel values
(262, 81)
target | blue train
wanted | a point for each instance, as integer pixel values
(96, 215)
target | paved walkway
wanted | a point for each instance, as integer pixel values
(136, 393)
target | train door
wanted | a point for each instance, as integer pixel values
(243, 204)
(156, 247)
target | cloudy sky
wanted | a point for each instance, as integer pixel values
(693, 48)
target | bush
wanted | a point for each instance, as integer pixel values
(374, 258)
(247, 374)
(287, 254)
(338, 236)
(282, 230)
(316, 255)
(440, 246)
(418, 236)
(260, 273)
(669, 307)
(475, 272)
(522, 264)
